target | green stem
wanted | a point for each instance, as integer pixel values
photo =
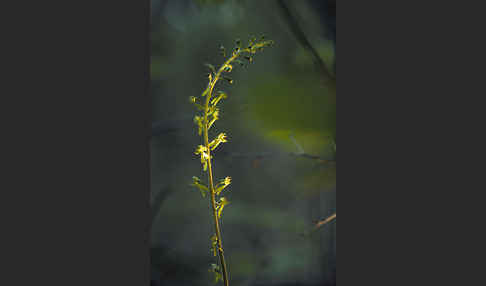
(210, 171)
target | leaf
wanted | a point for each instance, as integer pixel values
(220, 139)
(203, 151)
(205, 91)
(239, 62)
(221, 95)
(217, 276)
(217, 272)
(211, 67)
(214, 243)
(196, 182)
(222, 50)
(228, 79)
(193, 100)
(215, 115)
(199, 121)
(250, 59)
(222, 184)
(223, 202)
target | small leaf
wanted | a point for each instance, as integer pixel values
(193, 100)
(223, 202)
(206, 91)
(220, 139)
(217, 277)
(215, 115)
(199, 121)
(200, 149)
(222, 184)
(228, 79)
(250, 59)
(252, 40)
(221, 95)
(217, 272)
(239, 62)
(211, 67)
(214, 243)
(203, 151)
(222, 50)
(196, 182)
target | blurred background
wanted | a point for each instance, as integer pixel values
(280, 118)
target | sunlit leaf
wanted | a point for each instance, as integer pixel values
(203, 151)
(215, 100)
(215, 115)
(214, 244)
(222, 202)
(205, 91)
(199, 121)
(196, 182)
(222, 184)
(220, 139)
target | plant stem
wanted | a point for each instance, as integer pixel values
(210, 172)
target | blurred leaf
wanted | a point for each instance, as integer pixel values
(217, 272)
(300, 104)
(214, 244)
(325, 51)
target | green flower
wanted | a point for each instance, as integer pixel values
(220, 139)
(222, 184)
(202, 150)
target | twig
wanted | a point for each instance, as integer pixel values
(299, 34)
(323, 222)
(275, 154)
(318, 225)
(157, 203)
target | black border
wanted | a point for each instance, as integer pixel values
(76, 159)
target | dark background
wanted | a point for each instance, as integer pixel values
(280, 118)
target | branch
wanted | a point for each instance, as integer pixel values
(275, 154)
(299, 34)
(318, 225)
(158, 200)
(323, 222)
